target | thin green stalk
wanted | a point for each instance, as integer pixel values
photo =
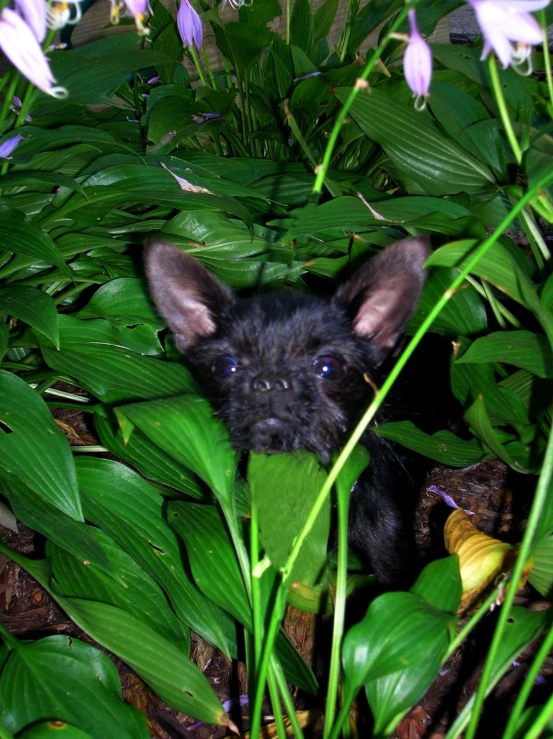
(544, 717)
(196, 61)
(209, 70)
(256, 593)
(272, 631)
(502, 105)
(275, 703)
(539, 247)
(91, 449)
(547, 56)
(339, 614)
(459, 638)
(526, 689)
(322, 169)
(533, 519)
(494, 304)
(287, 700)
(347, 700)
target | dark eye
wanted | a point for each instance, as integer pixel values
(224, 366)
(328, 367)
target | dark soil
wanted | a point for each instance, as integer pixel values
(499, 501)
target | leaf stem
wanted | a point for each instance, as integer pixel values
(547, 56)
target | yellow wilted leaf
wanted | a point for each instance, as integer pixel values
(481, 557)
(305, 719)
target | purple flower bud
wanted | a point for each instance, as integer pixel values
(9, 145)
(19, 44)
(504, 22)
(417, 61)
(190, 25)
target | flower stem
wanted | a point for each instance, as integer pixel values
(322, 169)
(502, 105)
(194, 57)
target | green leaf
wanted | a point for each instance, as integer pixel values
(4, 339)
(33, 449)
(92, 73)
(74, 536)
(49, 729)
(242, 44)
(284, 488)
(20, 235)
(60, 677)
(186, 429)
(302, 26)
(212, 557)
(398, 630)
(443, 446)
(415, 144)
(122, 302)
(523, 349)
(440, 584)
(392, 695)
(541, 574)
(477, 417)
(165, 668)
(323, 19)
(33, 307)
(147, 457)
(467, 121)
(112, 373)
(130, 510)
(348, 214)
(133, 591)
(463, 314)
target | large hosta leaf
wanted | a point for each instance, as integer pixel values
(33, 307)
(168, 671)
(33, 449)
(63, 678)
(19, 234)
(90, 353)
(130, 510)
(415, 144)
(186, 429)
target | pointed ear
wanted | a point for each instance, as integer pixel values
(383, 296)
(187, 296)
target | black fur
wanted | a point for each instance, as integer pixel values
(292, 371)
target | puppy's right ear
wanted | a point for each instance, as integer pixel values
(187, 296)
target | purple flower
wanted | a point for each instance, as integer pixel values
(34, 13)
(503, 22)
(417, 62)
(190, 25)
(19, 44)
(9, 145)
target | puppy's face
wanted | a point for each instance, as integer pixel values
(287, 371)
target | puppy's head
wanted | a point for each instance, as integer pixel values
(287, 371)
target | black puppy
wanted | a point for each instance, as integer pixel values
(291, 371)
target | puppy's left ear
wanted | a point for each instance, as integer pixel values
(383, 296)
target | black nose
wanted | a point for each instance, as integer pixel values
(268, 382)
